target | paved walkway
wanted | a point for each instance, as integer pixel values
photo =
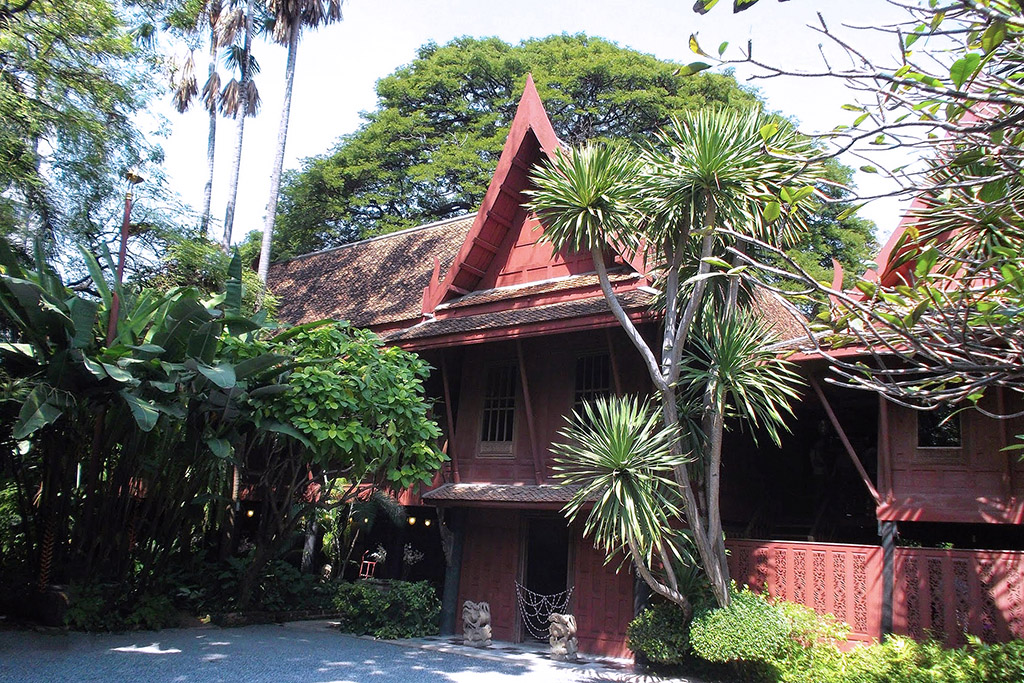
(298, 651)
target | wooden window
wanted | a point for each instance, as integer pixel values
(939, 438)
(938, 429)
(593, 379)
(499, 414)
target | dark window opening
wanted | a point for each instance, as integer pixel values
(938, 428)
(593, 379)
(499, 414)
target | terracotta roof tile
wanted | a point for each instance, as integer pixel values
(436, 327)
(535, 288)
(378, 281)
(501, 493)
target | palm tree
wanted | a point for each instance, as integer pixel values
(239, 96)
(709, 171)
(186, 90)
(290, 17)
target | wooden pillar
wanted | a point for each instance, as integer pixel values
(451, 420)
(884, 449)
(616, 378)
(538, 469)
(455, 519)
(887, 530)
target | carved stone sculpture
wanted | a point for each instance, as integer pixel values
(476, 624)
(562, 637)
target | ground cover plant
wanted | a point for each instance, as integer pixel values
(388, 610)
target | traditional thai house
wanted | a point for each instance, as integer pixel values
(519, 334)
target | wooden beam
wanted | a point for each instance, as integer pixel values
(538, 471)
(458, 290)
(500, 220)
(473, 269)
(451, 421)
(485, 245)
(884, 448)
(846, 442)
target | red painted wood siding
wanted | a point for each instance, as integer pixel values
(602, 600)
(490, 565)
(980, 483)
(831, 578)
(953, 592)
(550, 372)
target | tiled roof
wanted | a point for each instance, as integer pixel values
(784, 322)
(533, 289)
(378, 281)
(501, 493)
(436, 327)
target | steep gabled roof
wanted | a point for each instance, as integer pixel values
(501, 212)
(376, 283)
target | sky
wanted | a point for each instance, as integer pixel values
(338, 66)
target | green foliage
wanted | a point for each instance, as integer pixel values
(106, 607)
(750, 629)
(193, 260)
(135, 440)
(397, 609)
(661, 634)
(619, 455)
(729, 361)
(789, 643)
(74, 76)
(429, 149)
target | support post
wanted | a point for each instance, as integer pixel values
(887, 530)
(538, 470)
(455, 521)
(846, 442)
(614, 363)
(449, 415)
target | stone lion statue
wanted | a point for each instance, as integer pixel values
(562, 636)
(476, 623)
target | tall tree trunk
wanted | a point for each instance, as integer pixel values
(236, 162)
(211, 143)
(282, 138)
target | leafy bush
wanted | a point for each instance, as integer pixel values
(660, 633)
(398, 609)
(750, 629)
(108, 608)
(789, 643)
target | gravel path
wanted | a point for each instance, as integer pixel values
(301, 651)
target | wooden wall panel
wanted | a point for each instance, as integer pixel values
(490, 565)
(978, 483)
(602, 600)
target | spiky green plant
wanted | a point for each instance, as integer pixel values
(619, 456)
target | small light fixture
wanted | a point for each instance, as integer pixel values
(426, 522)
(366, 520)
(250, 513)
(412, 520)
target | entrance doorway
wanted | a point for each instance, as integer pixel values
(545, 571)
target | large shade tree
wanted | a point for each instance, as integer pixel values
(429, 149)
(706, 172)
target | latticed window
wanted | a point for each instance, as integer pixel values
(593, 379)
(499, 415)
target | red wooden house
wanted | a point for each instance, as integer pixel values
(519, 334)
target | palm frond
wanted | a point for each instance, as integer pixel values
(619, 455)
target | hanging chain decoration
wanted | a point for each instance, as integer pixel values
(536, 608)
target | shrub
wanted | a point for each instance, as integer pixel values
(661, 634)
(107, 608)
(750, 629)
(398, 609)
